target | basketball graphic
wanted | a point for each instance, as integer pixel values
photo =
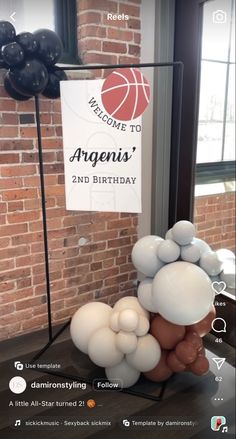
(125, 94)
(91, 403)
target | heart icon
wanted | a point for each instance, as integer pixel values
(218, 287)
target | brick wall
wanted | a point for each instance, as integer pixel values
(89, 252)
(214, 217)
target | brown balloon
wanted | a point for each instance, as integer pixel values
(186, 352)
(174, 363)
(200, 366)
(194, 339)
(204, 326)
(162, 371)
(166, 333)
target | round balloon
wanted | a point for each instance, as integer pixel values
(7, 32)
(204, 326)
(12, 92)
(30, 78)
(228, 274)
(200, 366)
(146, 355)
(128, 320)
(102, 348)
(143, 326)
(186, 352)
(49, 46)
(114, 321)
(183, 232)
(87, 320)
(144, 255)
(211, 263)
(166, 333)
(202, 245)
(168, 251)
(182, 293)
(126, 342)
(130, 302)
(12, 54)
(162, 371)
(28, 42)
(52, 89)
(174, 363)
(145, 294)
(169, 235)
(195, 339)
(123, 373)
(225, 255)
(190, 253)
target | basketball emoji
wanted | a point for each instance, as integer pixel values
(125, 94)
(91, 403)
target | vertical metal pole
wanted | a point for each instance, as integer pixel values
(44, 217)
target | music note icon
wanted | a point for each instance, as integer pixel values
(17, 423)
(225, 429)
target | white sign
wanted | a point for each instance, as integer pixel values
(102, 154)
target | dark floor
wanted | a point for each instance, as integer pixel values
(186, 397)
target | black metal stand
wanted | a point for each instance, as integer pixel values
(178, 71)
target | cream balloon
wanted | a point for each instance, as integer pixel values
(211, 263)
(169, 235)
(102, 348)
(147, 354)
(145, 294)
(114, 321)
(128, 320)
(143, 326)
(130, 302)
(168, 251)
(123, 373)
(182, 293)
(88, 319)
(144, 255)
(126, 342)
(183, 232)
(190, 253)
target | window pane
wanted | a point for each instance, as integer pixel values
(211, 112)
(216, 26)
(30, 15)
(229, 150)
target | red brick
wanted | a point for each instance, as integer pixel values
(9, 118)
(7, 105)
(133, 23)
(119, 34)
(128, 60)
(114, 47)
(9, 158)
(13, 229)
(134, 50)
(90, 44)
(9, 183)
(13, 171)
(19, 194)
(92, 31)
(103, 5)
(132, 11)
(89, 18)
(99, 58)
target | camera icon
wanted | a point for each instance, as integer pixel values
(18, 365)
(126, 423)
(219, 16)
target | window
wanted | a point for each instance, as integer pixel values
(57, 15)
(216, 122)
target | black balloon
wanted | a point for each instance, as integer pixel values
(3, 65)
(29, 79)
(49, 46)
(12, 54)
(7, 32)
(28, 42)
(52, 89)
(12, 92)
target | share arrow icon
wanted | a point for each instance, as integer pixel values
(219, 362)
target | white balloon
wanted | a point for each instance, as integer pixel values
(211, 263)
(102, 348)
(225, 254)
(86, 320)
(182, 293)
(228, 274)
(124, 373)
(183, 232)
(146, 355)
(190, 253)
(126, 342)
(144, 255)
(128, 320)
(169, 235)
(145, 293)
(168, 251)
(130, 302)
(114, 321)
(202, 245)
(143, 326)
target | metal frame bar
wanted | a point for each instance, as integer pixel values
(177, 67)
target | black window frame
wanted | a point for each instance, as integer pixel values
(66, 28)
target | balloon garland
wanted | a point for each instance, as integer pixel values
(30, 60)
(160, 331)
